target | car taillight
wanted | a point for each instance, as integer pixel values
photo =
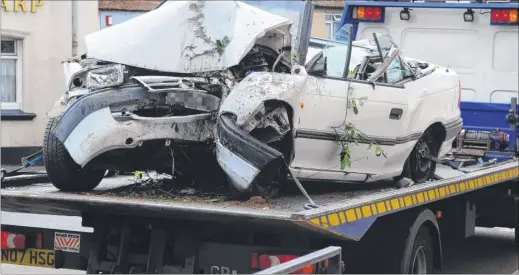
(504, 16)
(373, 14)
(12, 241)
(264, 261)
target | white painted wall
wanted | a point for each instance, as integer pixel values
(47, 39)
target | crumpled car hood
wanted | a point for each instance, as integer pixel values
(186, 36)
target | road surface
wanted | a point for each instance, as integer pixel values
(491, 251)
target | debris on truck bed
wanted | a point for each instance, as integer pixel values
(157, 188)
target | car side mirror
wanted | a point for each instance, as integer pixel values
(319, 68)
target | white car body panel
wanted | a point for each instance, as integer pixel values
(239, 170)
(185, 34)
(258, 87)
(92, 138)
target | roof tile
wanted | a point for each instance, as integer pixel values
(329, 4)
(128, 5)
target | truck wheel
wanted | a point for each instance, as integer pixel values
(418, 259)
(64, 173)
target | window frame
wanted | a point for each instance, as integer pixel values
(18, 56)
(314, 61)
(331, 33)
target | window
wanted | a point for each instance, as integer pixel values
(332, 23)
(10, 73)
(330, 61)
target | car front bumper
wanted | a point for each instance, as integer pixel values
(96, 123)
(243, 157)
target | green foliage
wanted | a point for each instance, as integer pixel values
(222, 44)
(349, 135)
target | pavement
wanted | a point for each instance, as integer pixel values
(491, 251)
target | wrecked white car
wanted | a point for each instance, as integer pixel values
(146, 94)
(274, 126)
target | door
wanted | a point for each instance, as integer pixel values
(379, 117)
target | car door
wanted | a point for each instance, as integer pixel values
(381, 118)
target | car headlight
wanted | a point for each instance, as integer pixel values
(107, 76)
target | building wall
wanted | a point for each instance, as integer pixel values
(319, 24)
(118, 17)
(45, 32)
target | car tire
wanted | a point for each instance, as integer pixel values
(63, 172)
(420, 260)
(417, 168)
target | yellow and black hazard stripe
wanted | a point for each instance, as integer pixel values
(399, 203)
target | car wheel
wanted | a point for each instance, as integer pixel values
(417, 167)
(64, 173)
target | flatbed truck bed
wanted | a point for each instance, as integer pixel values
(354, 218)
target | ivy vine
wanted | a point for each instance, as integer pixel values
(349, 135)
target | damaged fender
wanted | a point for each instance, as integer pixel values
(247, 97)
(242, 156)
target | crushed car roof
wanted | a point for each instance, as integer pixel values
(186, 36)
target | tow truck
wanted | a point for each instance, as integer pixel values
(354, 229)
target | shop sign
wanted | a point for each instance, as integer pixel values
(20, 5)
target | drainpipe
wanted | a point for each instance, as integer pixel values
(74, 27)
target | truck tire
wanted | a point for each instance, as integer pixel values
(418, 258)
(63, 172)
(400, 248)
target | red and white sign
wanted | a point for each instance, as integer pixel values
(67, 242)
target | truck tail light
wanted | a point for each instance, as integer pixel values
(377, 13)
(12, 241)
(372, 14)
(361, 13)
(368, 14)
(513, 16)
(264, 261)
(39, 241)
(503, 16)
